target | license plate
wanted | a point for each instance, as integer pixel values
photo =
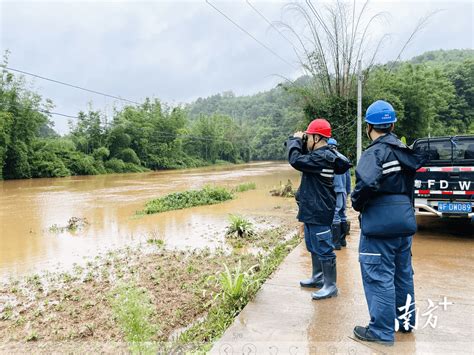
(454, 207)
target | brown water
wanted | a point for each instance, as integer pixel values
(28, 208)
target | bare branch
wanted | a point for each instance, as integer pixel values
(418, 28)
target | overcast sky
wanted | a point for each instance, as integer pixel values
(179, 51)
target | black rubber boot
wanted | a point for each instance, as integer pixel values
(330, 275)
(316, 279)
(336, 236)
(344, 230)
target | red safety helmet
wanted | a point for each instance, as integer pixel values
(319, 126)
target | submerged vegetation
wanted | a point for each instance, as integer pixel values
(240, 228)
(73, 224)
(138, 299)
(209, 195)
(245, 187)
(284, 190)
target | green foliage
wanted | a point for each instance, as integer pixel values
(88, 133)
(421, 95)
(48, 164)
(236, 285)
(245, 187)
(264, 122)
(218, 137)
(101, 154)
(128, 155)
(444, 57)
(115, 165)
(16, 162)
(133, 310)
(81, 164)
(240, 228)
(179, 200)
(5, 127)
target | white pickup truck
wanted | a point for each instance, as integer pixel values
(444, 186)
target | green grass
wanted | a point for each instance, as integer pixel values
(207, 196)
(245, 187)
(133, 310)
(156, 241)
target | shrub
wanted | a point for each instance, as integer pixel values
(128, 155)
(133, 168)
(81, 164)
(101, 154)
(240, 227)
(115, 165)
(47, 164)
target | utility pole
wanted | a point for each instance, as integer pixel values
(359, 111)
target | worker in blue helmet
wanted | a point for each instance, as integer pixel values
(342, 187)
(383, 195)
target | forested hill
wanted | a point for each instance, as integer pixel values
(444, 56)
(433, 93)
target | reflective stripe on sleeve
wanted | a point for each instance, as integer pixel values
(391, 170)
(390, 163)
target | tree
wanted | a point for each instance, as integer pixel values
(421, 95)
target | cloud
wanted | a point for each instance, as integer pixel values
(178, 51)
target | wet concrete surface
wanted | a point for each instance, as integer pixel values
(283, 319)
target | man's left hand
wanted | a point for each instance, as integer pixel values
(298, 134)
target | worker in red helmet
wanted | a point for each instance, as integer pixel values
(309, 153)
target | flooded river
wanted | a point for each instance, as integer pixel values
(29, 208)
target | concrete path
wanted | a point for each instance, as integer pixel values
(283, 319)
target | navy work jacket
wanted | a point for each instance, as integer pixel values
(386, 168)
(316, 197)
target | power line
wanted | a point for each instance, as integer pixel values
(67, 84)
(250, 35)
(56, 113)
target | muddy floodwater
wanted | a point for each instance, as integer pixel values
(30, 208)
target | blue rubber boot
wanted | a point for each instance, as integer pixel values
(316, 279)
(330, 275)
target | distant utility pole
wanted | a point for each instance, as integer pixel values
(359, 112)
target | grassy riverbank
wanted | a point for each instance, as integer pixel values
(139, 298)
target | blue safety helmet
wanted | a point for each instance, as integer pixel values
(380, 114)
(332, 141)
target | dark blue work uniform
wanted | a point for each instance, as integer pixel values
(316, 197)
(384, 186)
(340, 187)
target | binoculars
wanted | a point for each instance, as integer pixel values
(304, 140)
